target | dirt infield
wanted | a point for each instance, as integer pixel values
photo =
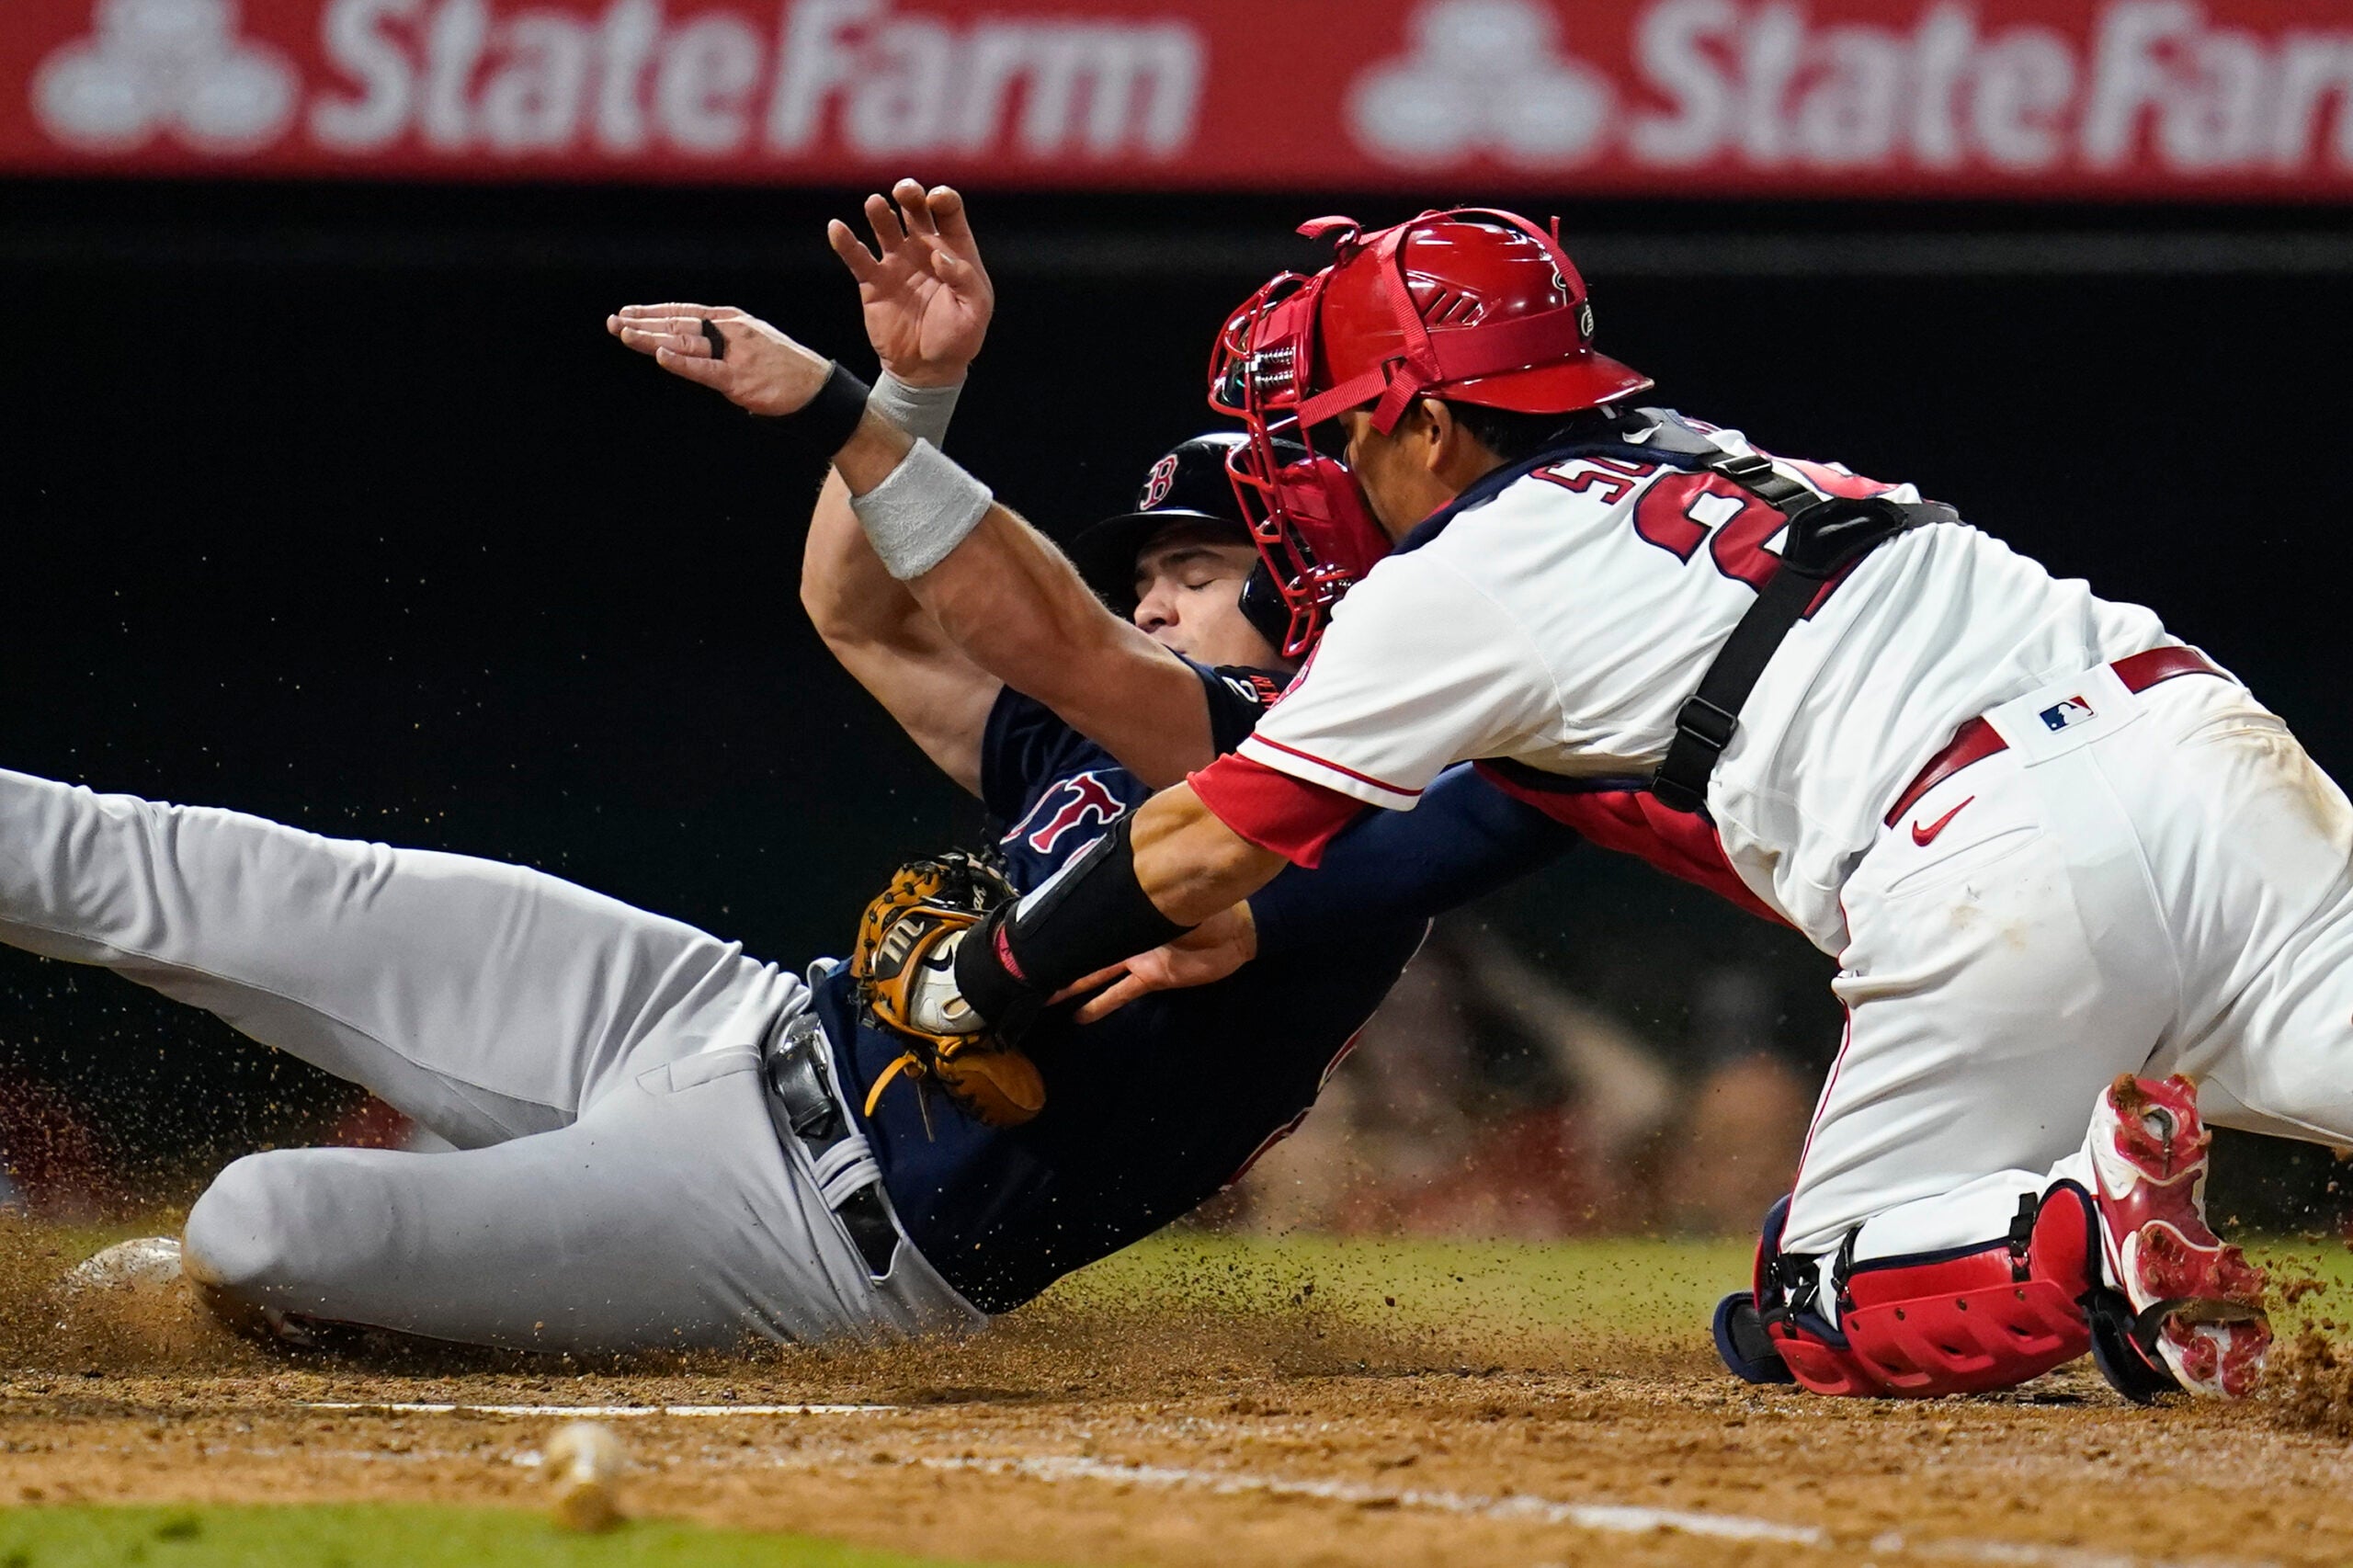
(1207, 1414)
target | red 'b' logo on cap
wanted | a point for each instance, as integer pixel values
(1156, 487)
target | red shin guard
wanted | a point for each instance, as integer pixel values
(1956, 1322)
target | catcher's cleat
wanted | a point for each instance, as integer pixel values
(2196, 1304)
(1746, 1345)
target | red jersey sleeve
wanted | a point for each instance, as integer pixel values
(1290, 816)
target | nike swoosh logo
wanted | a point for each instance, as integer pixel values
(1636, 438)
(1923, 836)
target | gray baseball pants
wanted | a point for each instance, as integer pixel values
(616, 1182)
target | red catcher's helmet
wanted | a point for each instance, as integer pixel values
(1471, 304)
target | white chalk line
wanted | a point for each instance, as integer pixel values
(1615, 1516)
(1894, 1541)
(586, 1411)
(1621, 1518)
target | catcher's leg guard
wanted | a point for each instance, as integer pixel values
(1962, 1321)
(1774, 1333)
(2194, 1314)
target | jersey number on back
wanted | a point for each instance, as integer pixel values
(1683, 511)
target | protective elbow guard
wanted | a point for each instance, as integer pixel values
(1962, 1321)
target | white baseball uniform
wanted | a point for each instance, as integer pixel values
(2143, 882)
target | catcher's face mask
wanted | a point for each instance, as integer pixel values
(1314, 533)
(1471, 304)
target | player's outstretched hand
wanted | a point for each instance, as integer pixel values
(928, 298)
(1210, 951)
(762, 370)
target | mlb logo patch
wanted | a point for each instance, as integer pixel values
(2066, 714)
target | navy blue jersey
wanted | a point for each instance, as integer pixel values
(1158, 1107)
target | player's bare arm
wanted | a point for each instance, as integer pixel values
(870, 622)
(928, 302)
(890, 644)
(1190, 864)
(1004, 594)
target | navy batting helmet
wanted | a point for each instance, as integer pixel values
(1191, 484)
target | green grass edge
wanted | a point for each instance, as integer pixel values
(393, 1535)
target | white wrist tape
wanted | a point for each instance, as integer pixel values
(921, 412)
(922, 512)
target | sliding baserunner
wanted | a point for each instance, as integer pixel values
(663, 1141)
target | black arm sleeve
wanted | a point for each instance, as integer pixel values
(1090, 914)
(1464, 840)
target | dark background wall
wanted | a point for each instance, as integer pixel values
(338, 504)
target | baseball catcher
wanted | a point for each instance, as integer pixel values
(2086, 895)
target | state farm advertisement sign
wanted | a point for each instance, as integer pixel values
(2062, 97)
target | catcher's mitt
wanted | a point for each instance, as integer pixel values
(903, 955)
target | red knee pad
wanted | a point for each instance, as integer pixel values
(1962, 1321)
